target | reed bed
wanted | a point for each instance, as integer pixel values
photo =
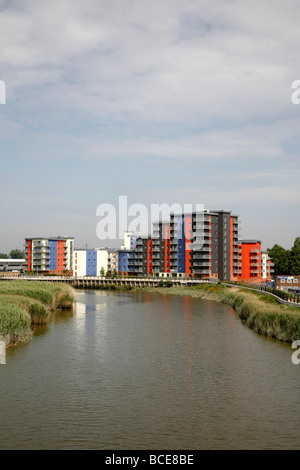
(39, 313)
(51, 294)
(271, 319)
(24, 304)
(15, 324)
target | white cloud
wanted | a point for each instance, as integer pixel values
(166, 82)
(139, 58)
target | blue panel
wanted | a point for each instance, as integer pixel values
(123, 261)
(181, 246)
(91, 263)
(52, 255)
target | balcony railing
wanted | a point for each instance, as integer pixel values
(201, 264)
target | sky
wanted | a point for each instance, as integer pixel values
(164, 102)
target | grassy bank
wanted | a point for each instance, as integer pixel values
(258, 311)
(27, 303)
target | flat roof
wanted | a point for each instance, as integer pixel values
(12, 260)
(96, 249)
(48, 238)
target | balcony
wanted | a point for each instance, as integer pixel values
(201, 249)
(201, 271)
(138, 270)
(201, 264)
(199, 256)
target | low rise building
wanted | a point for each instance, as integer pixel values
(12, 267)
(288, 283)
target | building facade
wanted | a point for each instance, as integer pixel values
(94, 262)
(251, 261)
(267, 267)
(288, 283)
(49, 255)
(197, 245)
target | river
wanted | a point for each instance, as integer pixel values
(149, 371)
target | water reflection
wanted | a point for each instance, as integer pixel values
(143, 371)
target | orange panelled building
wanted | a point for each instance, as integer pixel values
(199, 245)
(52, 255)
(251, 256)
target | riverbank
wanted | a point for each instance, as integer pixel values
(258, 311)
(23, 305)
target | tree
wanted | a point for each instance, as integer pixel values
(3, 256)
(16, 254)
(102, 272)
(295, 258)
(281, 259)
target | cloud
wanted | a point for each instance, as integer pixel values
(156, 61)
(171, 90)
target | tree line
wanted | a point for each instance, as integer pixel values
(286, 262)
(14, 254)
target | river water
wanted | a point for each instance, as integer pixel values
(149, 371)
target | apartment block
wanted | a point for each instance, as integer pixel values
(195, 245)
(94, 261)
(251, 261)
(52, 255)
(140, 263)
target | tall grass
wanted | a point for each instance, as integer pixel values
(27, 303)
(38, 312)
(273, 320)
(15, 324)
(51, 294)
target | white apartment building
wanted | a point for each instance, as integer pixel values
(92, 262)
